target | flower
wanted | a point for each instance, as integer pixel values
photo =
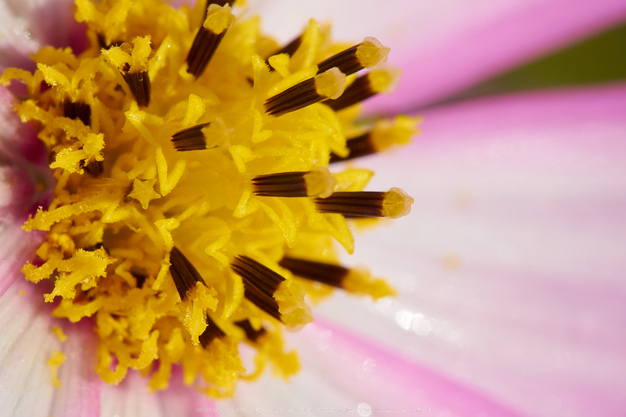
(446, 322)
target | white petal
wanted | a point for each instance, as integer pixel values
(131, 398)
(25, 348)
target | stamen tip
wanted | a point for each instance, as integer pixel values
(331, 83)
(397, 203)
(384, 80)
(319, 182)
(371, 52)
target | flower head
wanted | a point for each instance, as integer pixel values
(509, 276)
(193, 209)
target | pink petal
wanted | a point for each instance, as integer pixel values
(443, 61)
(444, 46)
(26, 345)
(510, 267)
(22, 165)
(28, 25)
(79, 395)
(344, 372)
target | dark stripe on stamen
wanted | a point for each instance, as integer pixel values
(294, 98)
(353, 204)
(139, 84)
(251, 333)
(139, 274)
(215, 25)
(94, 168)
(346, 61)
(359, 146)
(291, 47)
(259, 283)
(77, 110)
(185, 275)
(367, 54)
(284, 184)
(316, 271)
(211, 332)
(103, 43)
(288, 49)
(202, 50)
(329, 84)
(190, 139)
(358, 91)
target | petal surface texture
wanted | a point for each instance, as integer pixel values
(132, 398)
(344, 373)
(27, 345)
(510, 267)
(22, 164)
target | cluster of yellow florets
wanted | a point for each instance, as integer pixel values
(134, 219)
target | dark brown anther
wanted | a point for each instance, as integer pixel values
(185, 275)
(103, 43)
(345, 60)
(375, 82)
(329, 84)
(139, 84)
(95, 168)
(251, 333)
(358, 146)
(139, 274)
(288, 49)
(217, 21)
(259, 283)
(316, 271)
(318, 182)
(211, 332)
(366, 54)
(291, 47)
(284, 184)
(202, 50)
(353, 204)
(190, 139)
(299, 96)
(394, 203)
(356, 92)
(78, 111)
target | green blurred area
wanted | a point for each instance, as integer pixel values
(599, 59)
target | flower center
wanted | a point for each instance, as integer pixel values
(193, 208)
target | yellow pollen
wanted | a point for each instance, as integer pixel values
(55, 362)
(59, 333)
(155, 157)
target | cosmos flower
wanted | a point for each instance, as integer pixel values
(509, 273)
